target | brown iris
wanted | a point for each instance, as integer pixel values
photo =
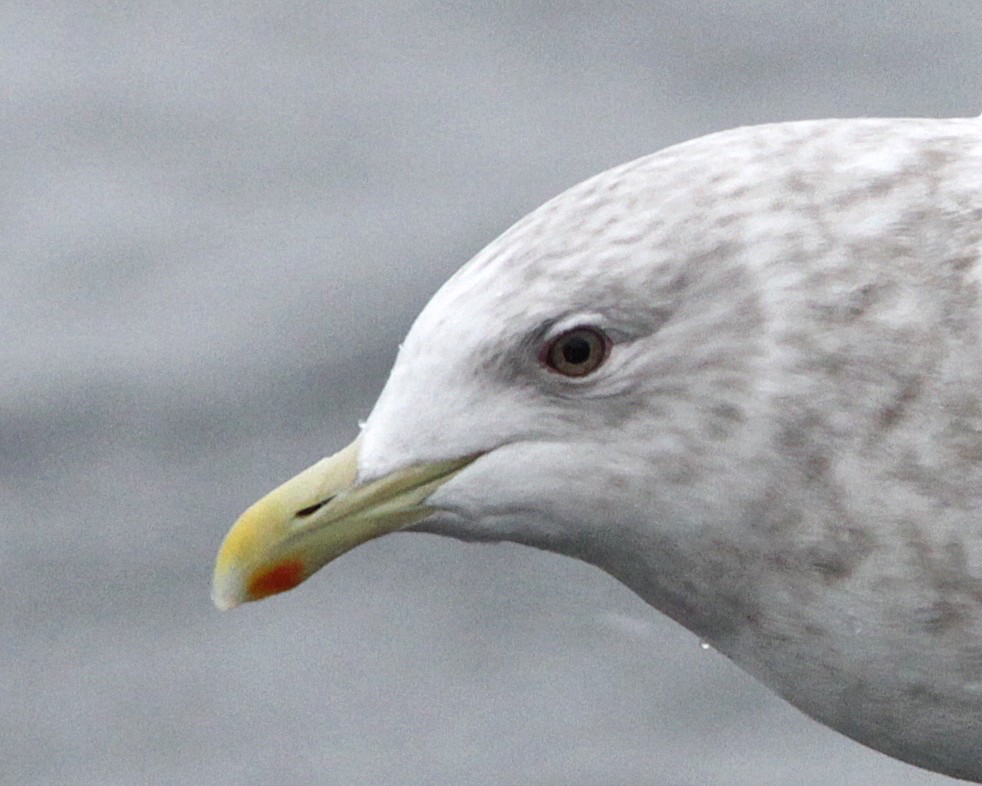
(577, 352)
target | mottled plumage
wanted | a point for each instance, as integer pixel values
(783, 451)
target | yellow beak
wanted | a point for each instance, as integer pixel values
(316, 516)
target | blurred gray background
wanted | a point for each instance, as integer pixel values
(216, 222)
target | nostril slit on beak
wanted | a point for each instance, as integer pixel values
(309, 511)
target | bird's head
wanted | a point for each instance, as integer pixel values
(578, 386)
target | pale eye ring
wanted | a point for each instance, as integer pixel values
(576, 352)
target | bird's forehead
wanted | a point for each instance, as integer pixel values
(624, 231)
(588, 248)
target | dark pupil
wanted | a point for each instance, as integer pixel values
(576, 351)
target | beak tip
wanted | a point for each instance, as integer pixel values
(223, 595)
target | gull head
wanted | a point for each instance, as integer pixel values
(588, 384)
(742, 377)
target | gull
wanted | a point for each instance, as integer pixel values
(743, 377)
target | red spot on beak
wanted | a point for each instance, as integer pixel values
(279, 578)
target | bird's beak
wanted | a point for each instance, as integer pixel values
(316, 516)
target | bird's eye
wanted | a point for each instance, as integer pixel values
(577, 352)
